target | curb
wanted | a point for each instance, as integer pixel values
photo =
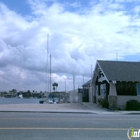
(131, 113)
(50, 112)
(76, 112)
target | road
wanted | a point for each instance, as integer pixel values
(65, 126)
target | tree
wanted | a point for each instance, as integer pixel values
(55, 85)
(13, 91)
(29, 93)
(3, 94)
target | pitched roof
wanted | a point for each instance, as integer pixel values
(120, 70)
(87, 84)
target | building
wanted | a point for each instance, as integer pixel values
(117, 81)
(86, 91)
(73, 96)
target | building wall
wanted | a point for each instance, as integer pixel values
(112, 90)
(73, 96)
(85, 94)
(80, 97)
(90, 94)
(121, 100)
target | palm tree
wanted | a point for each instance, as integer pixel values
(29, 93)
(55, 85)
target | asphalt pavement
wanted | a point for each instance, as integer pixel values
(66, 126)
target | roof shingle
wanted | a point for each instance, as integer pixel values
(120, 70)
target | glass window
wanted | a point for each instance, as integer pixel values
(103, 89)
(138, 89)
(96, 90)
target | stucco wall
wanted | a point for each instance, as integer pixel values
(73, 96)
(121, 100)
(112, 89)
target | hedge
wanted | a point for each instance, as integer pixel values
(133, 105)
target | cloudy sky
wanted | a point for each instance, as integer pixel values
(80, 32)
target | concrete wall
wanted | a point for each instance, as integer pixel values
(73, 96)
(121, 100)
(80, 97)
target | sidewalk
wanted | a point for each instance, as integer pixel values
(100, 110)
(54, 108)
(48, 108)
(85, 108)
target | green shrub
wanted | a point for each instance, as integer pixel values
(103, 102)
(133, 105)
(100, 101)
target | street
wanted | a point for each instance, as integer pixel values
(65, 126)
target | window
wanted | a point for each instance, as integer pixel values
(103, 89)
(138, 89)
(96, 90)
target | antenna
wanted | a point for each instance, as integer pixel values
(116, 56)
(47, 44)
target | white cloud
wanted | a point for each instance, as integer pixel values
(75, 41)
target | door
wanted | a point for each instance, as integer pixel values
(86, 95)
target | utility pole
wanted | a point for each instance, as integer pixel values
(50, 76)
(91, 88)
(47, 63)
(73, 81)
(83, 79)
(91, 71)
(65, 86)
